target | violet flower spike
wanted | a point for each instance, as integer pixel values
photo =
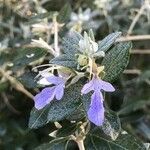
(48, 94)
(96, 110)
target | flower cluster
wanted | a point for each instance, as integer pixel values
(89, 47)
(96, 85)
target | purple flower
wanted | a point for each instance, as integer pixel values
(49, 93)
(96, 110)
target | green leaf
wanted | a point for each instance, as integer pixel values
(77, 115)
(43, 15)
(64, 60)
(125, 141)
(71, 50)
(57, 110)
(4, 86)
(144, 76)
(143, 128)
(108, 41)
(71, 101)
(27, 55)
(71, 43)
(67, 129)
(134, 106)
(57, 144)
(64, 13)
(38, 18)
(116, 60)
(27, 80)
(6, 56)
(3, 129)
(111, 126)
(38, 118)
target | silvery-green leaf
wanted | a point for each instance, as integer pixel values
(64, 60)
(116, 60)
(125, 141)
(71, 43)
(111, 126)
(108, 41)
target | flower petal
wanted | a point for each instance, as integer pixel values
(46, 74)
(59, 92)
(99, 54)
(82, 45)
(96, 110)
(87, 87)
(43, 81)
(96, 84)
(74, 16)
(42, 98)
(51, 94)
(106, 86)
(94, 46)
(55, 80)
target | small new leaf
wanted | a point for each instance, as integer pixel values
(108, 41)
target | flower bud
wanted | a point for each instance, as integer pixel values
(82, 60)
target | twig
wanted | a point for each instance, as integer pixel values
(10, 107)
(80, 145)
(132, 71)
(56, 35)
(140, 12)
(140, 51)
(134, 38)
(80, 142)
(16, 84)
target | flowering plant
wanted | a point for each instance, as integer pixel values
(86, 52)
(62, 86)
(75, 83)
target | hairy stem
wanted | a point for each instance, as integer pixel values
(57, 50)
(80, 144)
